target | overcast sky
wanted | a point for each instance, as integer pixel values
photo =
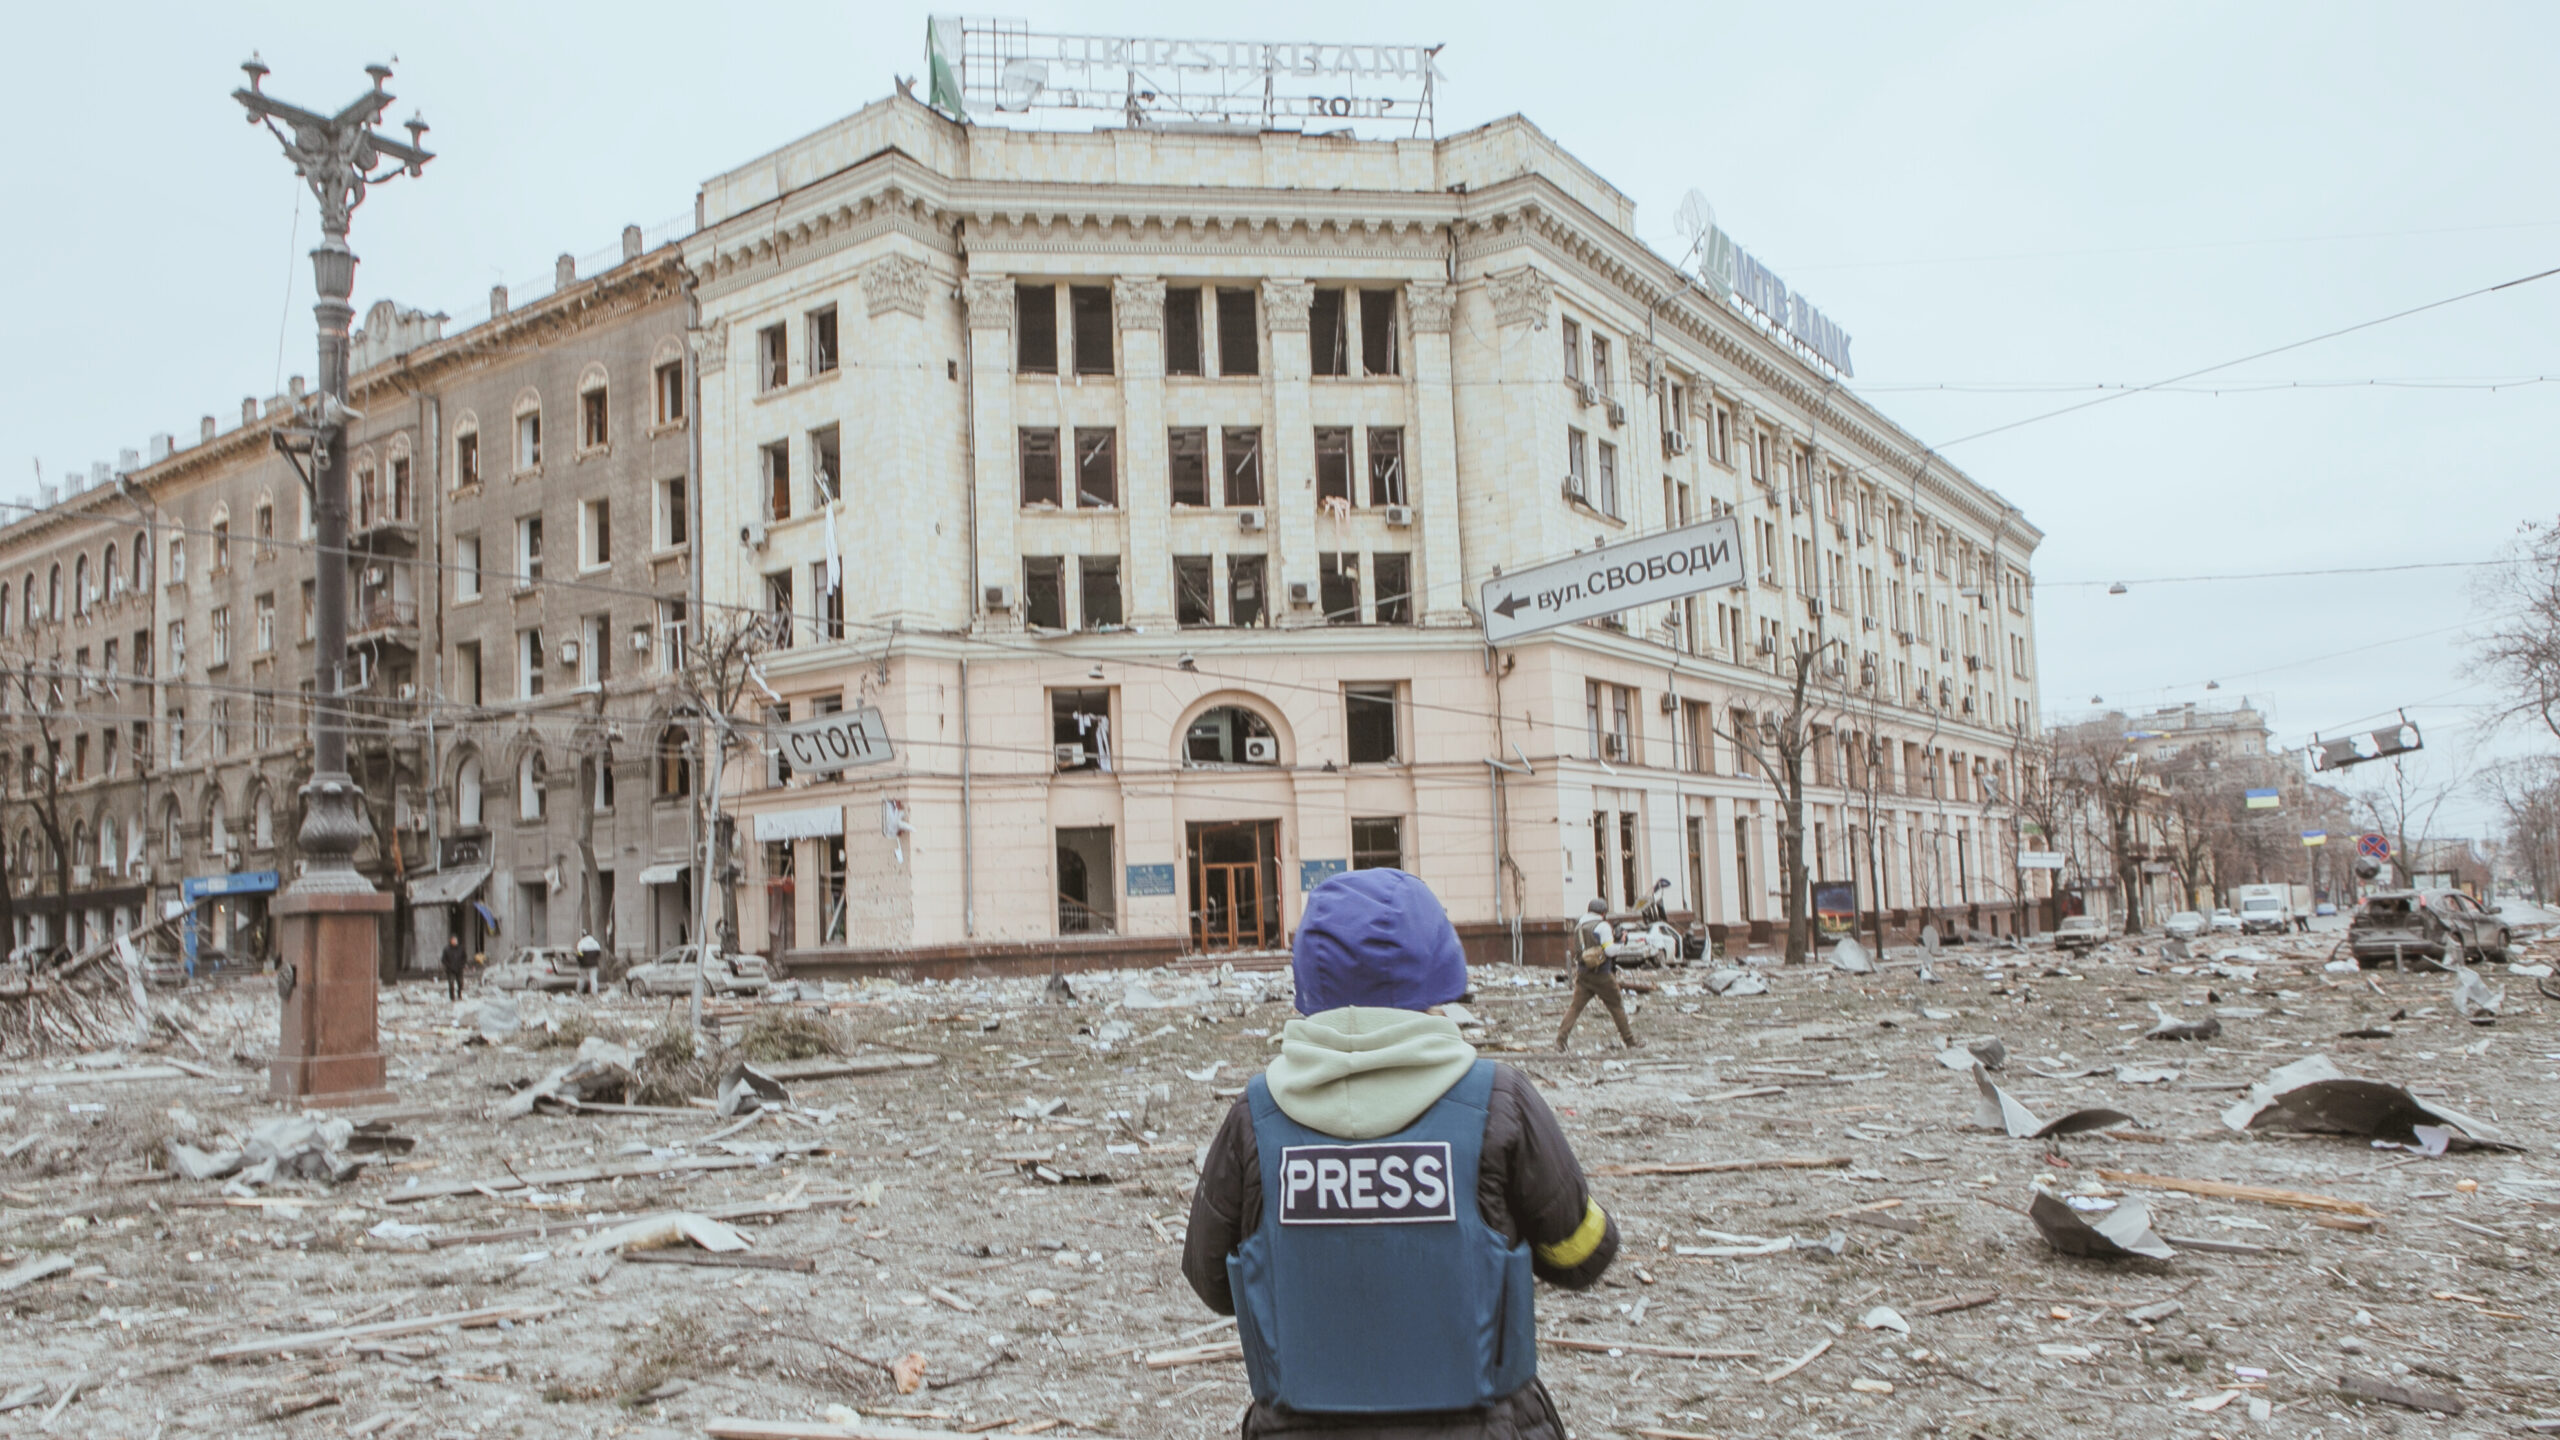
(2006, 205)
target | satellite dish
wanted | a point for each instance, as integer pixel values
(1021, 83)
(1695, 218)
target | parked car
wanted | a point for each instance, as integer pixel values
(537, 967)
(672, 974)
(2224, 920)
(2441, 926)
(2265, 909)
(2081, 933)
(2185, 925)
(2324, 909)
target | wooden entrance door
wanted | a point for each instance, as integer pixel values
(1235, 890)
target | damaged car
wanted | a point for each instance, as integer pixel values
(2439, 926)
(672, 974)
(2079, 934)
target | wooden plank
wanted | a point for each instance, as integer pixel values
(1629, 1347)
(740, 1261)
(28, 1272)
(729, 1427)
(2221, 1190)
(834, 1067)
(752, 1210)
(1953, 1303)
(318, 1339)
(576, 1177)
(1725, 1167)
(95, 1077)
(1197, 1355)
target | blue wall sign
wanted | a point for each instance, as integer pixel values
(1147, 880)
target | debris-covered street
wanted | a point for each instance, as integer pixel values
(966, 1214)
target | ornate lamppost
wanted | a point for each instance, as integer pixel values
(329, 919)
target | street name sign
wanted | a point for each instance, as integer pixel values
(1644, 571)
(826, 744)
(2039, 859)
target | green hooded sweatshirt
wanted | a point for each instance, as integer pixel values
(1363, 1071)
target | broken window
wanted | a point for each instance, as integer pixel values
(1391, 574)
(1333, 464)
(1040, 467)
(466, 459)
(1386, 465)
(1182, 331)
(1098, 591)
(829, 617)
(1338, 577)
(1247, 587)
(1572, 349)
(1187, 460)
(1097, 467)
(593, 419)
(1243, 465)
(826, 464)
(1044, 592)
(1377, 843)
(1084, 881)
(777, 480)
(670, 391)
(1080, 729)
(1378, 332)
(1035, 329)
(773, 358)
(1328, 334)
(1195, 600)
(1369, 720)
(822, 340)
(1239, 337)
(1089, 307)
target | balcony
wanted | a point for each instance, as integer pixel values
(384, 618)
(377, 528)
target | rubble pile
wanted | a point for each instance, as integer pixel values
(2154, 1189)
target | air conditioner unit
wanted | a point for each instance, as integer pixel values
(1613, 747)
(1069, 757)
(1945, 653)
(751, 536)
(373, 575)
(640, 642)
(1249, 520)
(1617, 415)
(1813, 606)
(1301, 594)
(1968, 704)
(1839, 666)
(1902, 635)
(1400, 516)
(82, 874)
(1973, 662)
(1866, 622)
(1670, 703)
(1590, 396)
(568, 652)
(1866, 536)
(1675, 442)
(1896, 554)
(408, 689)
(996, 597)
(1573, 491)
(1839, 532)
(140, 870)
(1768, 645)
(1261, 750)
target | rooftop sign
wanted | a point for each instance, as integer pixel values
(1738, 276)
(981, 67)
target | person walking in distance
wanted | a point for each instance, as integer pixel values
(1595, 976)
(454, 961)
(590, 966)
(1375, 1210)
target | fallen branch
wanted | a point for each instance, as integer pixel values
(1953, 1303)
(1629, 1347)
(523, 1181)
(802, 1263)
(1725, 1167)
(731, 1428)
(752, 1210)
(2220, 1190)
(1197, 1355)
(320, 1339)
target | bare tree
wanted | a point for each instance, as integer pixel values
(1790, 738)
(2520, 651)
(2097, 762)
(2403, 809)
(718, 670)
(2527, 794)
(38, 772)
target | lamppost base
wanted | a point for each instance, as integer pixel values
(328, 1050)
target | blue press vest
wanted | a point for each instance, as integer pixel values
(1373, 1285)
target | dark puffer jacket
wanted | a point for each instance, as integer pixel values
(1528, 1187)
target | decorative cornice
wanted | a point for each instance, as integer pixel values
(896, 282)
(711, 347)
(1432, 304)
(990, 301)
(1139, 299)
(1285, 303)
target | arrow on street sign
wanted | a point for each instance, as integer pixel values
(1643, 571)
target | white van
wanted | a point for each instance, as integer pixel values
(2265, 908)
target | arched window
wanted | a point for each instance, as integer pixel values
(217, 824)
(28, 610)
(529, 786)
(1230, 735)
(80, 584)
(262, 820)
(8, 593)
(466, 793)
(173, 837)
(53, 593)
(675, 765)
(109, 851)
(79, 842)
(112, 571)
(141, 560)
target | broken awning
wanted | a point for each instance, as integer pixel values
(447, 887)
(664, 873)
(815, 823)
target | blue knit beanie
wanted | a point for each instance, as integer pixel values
(1376, 937)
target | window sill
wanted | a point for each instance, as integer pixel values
(671, 552)
(521, 476)
(664, 428)
(796, 387)
(603, 568)
(468, 489)
(472, 599)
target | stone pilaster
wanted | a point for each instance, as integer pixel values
(1145, 497)
(1289, 474)
(1440, 573)
(990, 302)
